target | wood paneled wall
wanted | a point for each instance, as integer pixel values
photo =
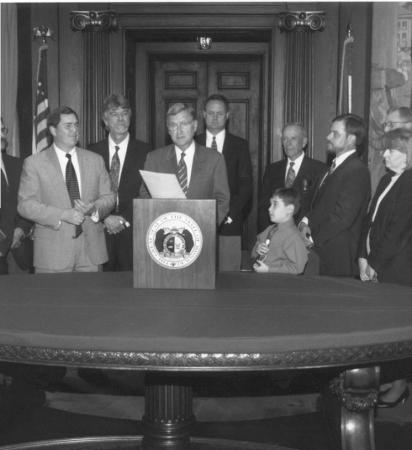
(66, 64)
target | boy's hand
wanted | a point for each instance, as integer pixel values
(262, 249)
(260, 267)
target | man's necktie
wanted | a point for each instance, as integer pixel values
(214, 143)
(328, 173)
(291, 175)
(182, 173)
(72, 187)
(114, 173)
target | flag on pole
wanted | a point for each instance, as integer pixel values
(40, 131)
(345, 82)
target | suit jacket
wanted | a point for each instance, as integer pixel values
(338, 210)
(390, 237)
(309, 175)
(9, 218)
(208, 179)
(43, 196)
(130, 179)
(240, 178)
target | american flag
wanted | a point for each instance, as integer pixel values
(40, 132)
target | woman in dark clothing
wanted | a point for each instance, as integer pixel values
(386, 239)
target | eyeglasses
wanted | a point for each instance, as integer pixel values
(173, 127)
(391, 124)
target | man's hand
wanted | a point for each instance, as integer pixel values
(87, 209)
(18, 236)
(115, 224)
(72, 216)
(363, 264)
(306, 234)
(371, 273)
(260, 267)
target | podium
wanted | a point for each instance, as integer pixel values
(174, 244)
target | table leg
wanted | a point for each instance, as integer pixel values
(168, 416)
(357, 390)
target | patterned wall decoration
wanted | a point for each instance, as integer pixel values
(391, 73)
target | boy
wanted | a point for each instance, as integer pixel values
(280, 247)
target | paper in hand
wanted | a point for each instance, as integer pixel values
(162, 185)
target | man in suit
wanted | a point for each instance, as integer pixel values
(239, 173)
(340, 202)
(13, 228)
(123, 157)
(204, 170)
(65, 191)
(297, 171)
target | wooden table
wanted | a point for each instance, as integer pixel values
(251, 322)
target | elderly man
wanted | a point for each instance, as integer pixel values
(124, 157)
(235, 150)
(340, 201)
(13, 228)
(298, 171)
(66, 192)
(201, 172)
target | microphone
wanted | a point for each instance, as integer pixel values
(272, 231)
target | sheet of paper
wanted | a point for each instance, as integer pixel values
(162, 185)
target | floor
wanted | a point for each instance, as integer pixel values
(273, 411)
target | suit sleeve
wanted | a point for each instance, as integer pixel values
(221, 189)
(29, 200)
(239, 200)
(150, 166)
(107, 198)
(263, 203)
(398, 230)
(349, 203)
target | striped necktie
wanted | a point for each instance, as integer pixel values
(114, 174)
(214, 144)
(182, 173)
(72, 188)
(291, 175)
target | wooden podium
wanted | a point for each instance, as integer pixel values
(174, 243)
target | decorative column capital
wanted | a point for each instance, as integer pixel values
(94, 21)
(302, 21)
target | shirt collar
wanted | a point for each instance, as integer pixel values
(122, 144)
(339, 159)
(72, 152)
(189, 151)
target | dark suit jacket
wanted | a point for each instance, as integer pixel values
(309, 175)
(208, 179)
(391, 232)
(9, 218)
(239, 174)
(130, 179)
(338, 210)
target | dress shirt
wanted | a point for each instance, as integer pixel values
(296, 166)
(189, 155)
(3, 169)
(122, 152)
(220, 139)
(61, 155)
(394, 179)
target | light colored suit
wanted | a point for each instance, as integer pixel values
(43, 196)
(208, 179)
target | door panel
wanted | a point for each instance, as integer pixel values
(191, 79)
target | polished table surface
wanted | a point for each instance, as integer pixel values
(250, 320)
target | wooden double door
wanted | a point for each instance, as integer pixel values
(191, 79)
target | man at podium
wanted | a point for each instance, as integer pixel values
(201, 172)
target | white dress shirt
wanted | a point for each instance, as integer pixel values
(220, 139)
(3, 169)
(189, 155)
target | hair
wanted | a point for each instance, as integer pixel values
(297, 125)
(115, 101)
(353, 125)
(218, 98)
(177, 108)
(289, 196)
(55, 116)
(401, 140)
(404, 112)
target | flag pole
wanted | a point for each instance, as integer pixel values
(348, 40)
